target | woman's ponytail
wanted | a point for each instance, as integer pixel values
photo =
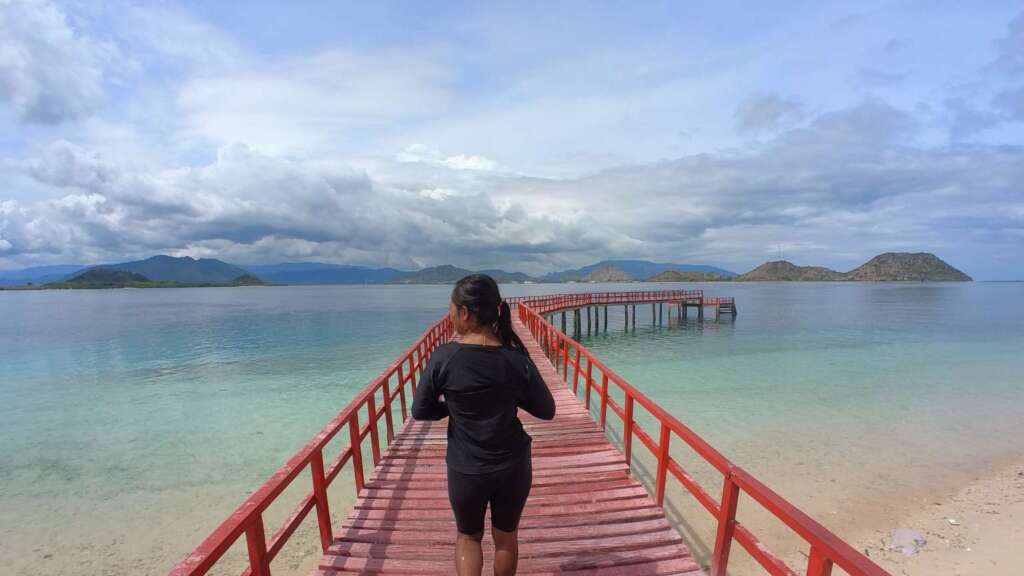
(506, 334)
(480, 295)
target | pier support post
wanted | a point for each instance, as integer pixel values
(597, 320)
(625, 316)
(654, 314)
(685, 308)
(634, 316)
(563, 322)
(700, 310)
(605, 328)
(588, 320)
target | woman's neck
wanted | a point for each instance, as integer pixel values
(481, 336)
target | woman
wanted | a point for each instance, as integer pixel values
(484, 378)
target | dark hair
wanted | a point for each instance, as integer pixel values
(479, 293)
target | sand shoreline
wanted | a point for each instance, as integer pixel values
(977, 529)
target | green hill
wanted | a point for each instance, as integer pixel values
(787, 271)
(106, 277)
(186, 269)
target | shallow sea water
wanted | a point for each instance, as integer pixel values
(133, 421)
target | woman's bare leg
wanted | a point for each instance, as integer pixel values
(469, 557)
(506, 552)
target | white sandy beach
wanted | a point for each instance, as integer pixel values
(978, 530)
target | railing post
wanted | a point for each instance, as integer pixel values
(371, 406)
(659, 483)
(726, 525)
(587, 383)
(627, 432)
(401, 389)
(604, 398)
(256, 542)
(818, 564)
(357, 450)
(565, 358)
(323, 513)
(388, 418)
(412, 375)
(576, 372)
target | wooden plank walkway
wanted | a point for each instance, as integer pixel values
(585, 515)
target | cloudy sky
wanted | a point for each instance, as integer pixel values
(524, 136)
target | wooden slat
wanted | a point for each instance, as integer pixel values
(585, 515)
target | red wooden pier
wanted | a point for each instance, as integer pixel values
(587, 513)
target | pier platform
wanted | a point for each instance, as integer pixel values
(587, 512)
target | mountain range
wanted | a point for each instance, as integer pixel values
(321, 273)
(635, 269)
(209, 271)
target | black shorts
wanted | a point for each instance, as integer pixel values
(505, 490)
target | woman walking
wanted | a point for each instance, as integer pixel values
(484, 378)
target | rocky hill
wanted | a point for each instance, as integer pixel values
(787, 271)
(904, 266)
(682, 276)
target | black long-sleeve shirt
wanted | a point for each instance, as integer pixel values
(483, 386)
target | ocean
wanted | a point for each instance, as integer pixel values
(133, 421)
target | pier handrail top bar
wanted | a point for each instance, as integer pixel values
(835, 549)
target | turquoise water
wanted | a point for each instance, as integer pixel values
(132, 421)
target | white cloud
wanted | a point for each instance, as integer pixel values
(313, 104)
(49, 72)
(843, 187)
(425, 154)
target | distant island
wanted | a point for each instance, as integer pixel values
(171, 272)
(888, 267)
(108, 277)
(155, 272)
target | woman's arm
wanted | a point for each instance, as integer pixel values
(426, 405)
(537, 399)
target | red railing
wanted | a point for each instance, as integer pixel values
(248, 518)
(826, 548)
(551, 303)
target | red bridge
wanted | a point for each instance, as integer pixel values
(587, 513)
